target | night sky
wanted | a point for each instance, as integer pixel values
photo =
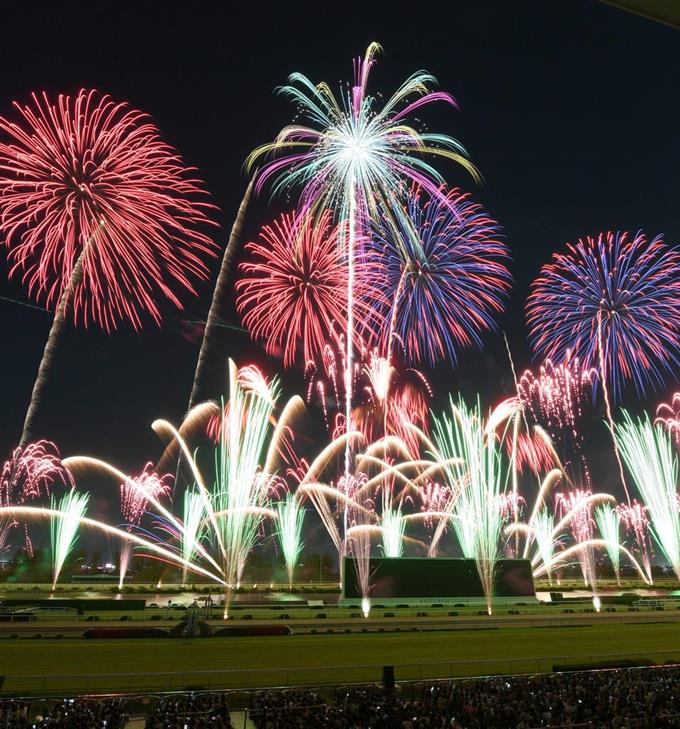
(569, 109)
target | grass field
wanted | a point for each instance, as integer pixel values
(316, 658)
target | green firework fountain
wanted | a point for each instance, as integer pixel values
(393, 526)
(191, 535)
(291, 517)
(64, 528)
(648, 453)
(544, 526)
(472, 459)
(240, 494)
(609, 523)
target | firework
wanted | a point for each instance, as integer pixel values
(171, 525)
(31, 472)
(608, 521)
(556, 394)
(6, 526)
(221, 523)
(544, 528)
(551, 534)
(241, 494)
(532, 452)
(668, 414)
(361, 524)
(444, 276)
(634, 520)
(64, 528)
(434, 498)
(29, 475)
(292, 291)
(393, 525)
(221, 529)
(476, 468)
(54, 515)
(402, 405)
(100, 217)
(357, 154)
(326, 380)
(648, 453)
(86, 178)
(504, 423)
(612, 301)
(134, 497)
(291, 517)
(136, 492)
(355, 158)
(193, 526)
(389, 399)
(344, 507)
(245, 470)
(577, 507)
(555, 398)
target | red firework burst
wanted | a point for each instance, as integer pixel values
(293, 291)
(87, 179)
(533, 453)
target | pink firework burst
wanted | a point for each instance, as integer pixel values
(89, 180)
(136, 492)
(635, 521)
(555, 397)
(434, 496)
(581, 526)
(668, 415)
(30, 473)
(292, 293)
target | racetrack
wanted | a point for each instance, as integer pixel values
(317, 659)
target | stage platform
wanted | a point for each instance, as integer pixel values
(427, 580)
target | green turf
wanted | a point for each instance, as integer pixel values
(318, 658)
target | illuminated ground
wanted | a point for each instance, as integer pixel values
(319, 658)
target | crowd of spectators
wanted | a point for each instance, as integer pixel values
(191, 711)
(641, 698)
(616, 699)
(67, 714)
